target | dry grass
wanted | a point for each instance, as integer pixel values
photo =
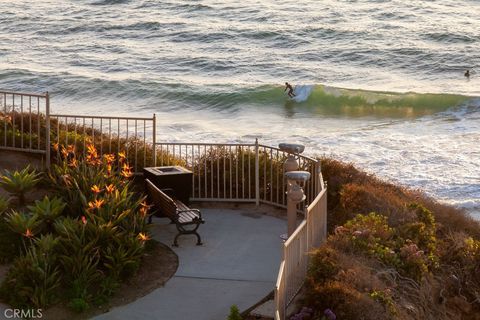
(358, 286)
(351, 191)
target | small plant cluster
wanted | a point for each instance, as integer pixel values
(234, 313)
(339, 278)
(18, 184)
(82, 242)
(410, 248)
(385, 298)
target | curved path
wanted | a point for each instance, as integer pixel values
(238, 264)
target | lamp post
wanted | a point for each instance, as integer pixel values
(295, 194)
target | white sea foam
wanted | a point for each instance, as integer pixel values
(302, 92)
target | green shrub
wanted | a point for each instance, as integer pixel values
(18, 183)
(79, 258)
(323, 265)
(25, 226)
(108, 286)
(10, 243)
(78, 305)
(385, 298)
(410, 248)
(47, 211)
(234, 313)
(34, 278)
(346, 302)
(82, 241)
(4, 205)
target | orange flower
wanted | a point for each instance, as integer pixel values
(126, 174)
(143, 237)
(110, 188)
(121, 157)
(126, 171)
(28, 233)
(64, 152)
(71, 148)
(109, 158)
(92, 159)
(84, 220)
(92, 155)
(95, 189)
(55, 147)
(144, 209)
(73, 163)
(97, 204)
(91, 149)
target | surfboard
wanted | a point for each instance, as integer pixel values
(302, 92)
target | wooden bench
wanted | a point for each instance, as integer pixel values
(176, 210)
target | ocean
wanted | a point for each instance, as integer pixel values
(385, 78)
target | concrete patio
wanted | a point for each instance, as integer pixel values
(237, 264)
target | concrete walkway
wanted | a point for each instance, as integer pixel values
(238, 264)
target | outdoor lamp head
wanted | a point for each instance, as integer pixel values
(295, 180)
(292, 147)
(297, 176)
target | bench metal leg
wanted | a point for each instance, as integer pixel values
(199, 240)
(182, 231)
(175, 242)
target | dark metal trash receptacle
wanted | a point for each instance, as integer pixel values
(172, 177)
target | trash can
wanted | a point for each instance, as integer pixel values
(171, 177)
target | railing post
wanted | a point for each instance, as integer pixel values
(47, 125)
(154, 139)
(257, 174)
(325, 215)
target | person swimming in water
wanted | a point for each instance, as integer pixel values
(288, 86)
(467, 73)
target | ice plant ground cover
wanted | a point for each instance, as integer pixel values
(80, 241)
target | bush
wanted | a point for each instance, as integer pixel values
(34, 278)
(84, 240)
(78, 305)
(323, 265)
(10, 243)
(410, 249)
(47, 211)
(18, 183)
(234, 313)
(366, 193)
(4, 205)
(346, 302)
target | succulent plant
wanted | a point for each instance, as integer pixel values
(18, 183)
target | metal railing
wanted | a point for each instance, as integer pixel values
(221, 172)
(23, 121)
(133, 136)
(293, 269)
(236, 172)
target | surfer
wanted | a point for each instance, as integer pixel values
(467, 73)
(290, 90)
